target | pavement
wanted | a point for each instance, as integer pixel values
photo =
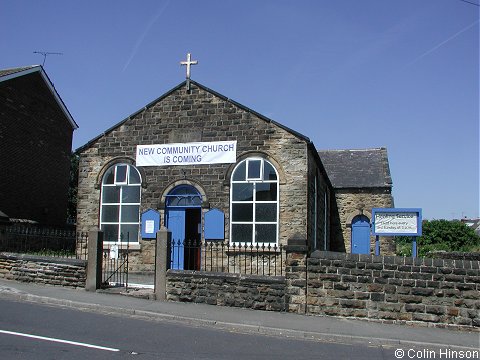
(280, 324)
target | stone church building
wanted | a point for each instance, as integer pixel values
(209, 168)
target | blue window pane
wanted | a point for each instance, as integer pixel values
(121, 174)
(242, 192)
(266, 191)
(242, 212)
(240, 174)
(254, 169)
(110, 194)
(129, 233)
(268, 172)
(108, 178)
(110, 232)
(110, 213)
(134, 176)
(266, 233)
(130, 213)
(266, 212)
(242, 233)
(130, 194)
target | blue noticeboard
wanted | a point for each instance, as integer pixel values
(214, 225)
(150, 224)
(397, 222)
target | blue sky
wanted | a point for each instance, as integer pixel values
(349, 74)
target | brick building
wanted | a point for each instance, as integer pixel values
(214, 170)
(36, 132)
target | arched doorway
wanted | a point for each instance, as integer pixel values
(183, 218)
(360, 235)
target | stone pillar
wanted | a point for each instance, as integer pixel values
(296, 274)
(162, 263)
(94, 264)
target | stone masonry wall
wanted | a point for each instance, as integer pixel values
(238, 290)
(439, 292)
(357, 202)
(432, 292)
(43, 270)
(198, 115)
(318, 196)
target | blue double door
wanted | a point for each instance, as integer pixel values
(185, 225)
(360, 235)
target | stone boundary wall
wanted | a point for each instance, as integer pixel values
(43, 270)
(238, 290)
(438, 292)
(454, 255)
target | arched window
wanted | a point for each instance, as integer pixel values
(120, 203)
(183, 195)
(254, 202)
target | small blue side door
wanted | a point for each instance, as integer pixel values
(176, 224)
(360, 235)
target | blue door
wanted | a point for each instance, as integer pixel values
(183, 219)
(360, 235)
(176, 224)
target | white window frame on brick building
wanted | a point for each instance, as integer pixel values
(120, 204)
(254, 203)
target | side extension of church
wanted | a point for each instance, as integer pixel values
(277, 188)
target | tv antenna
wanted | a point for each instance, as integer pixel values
(45, 54)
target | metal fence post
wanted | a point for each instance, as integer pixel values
(161, 263)
(94, 264)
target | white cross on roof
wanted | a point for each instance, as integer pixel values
(188, 63)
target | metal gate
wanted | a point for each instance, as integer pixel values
(115, 265)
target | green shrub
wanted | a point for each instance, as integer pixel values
(440, 235)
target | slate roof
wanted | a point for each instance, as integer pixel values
(5, 72)
(363, 168)
(12, 73)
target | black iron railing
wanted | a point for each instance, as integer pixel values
(220, 256)
(115, 265)
(43, 241)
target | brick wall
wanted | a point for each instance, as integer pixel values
(247, 291)
(43, 270)
(399, 289)
(35, 147)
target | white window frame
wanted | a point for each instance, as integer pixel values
(120, 204)
(254, 202)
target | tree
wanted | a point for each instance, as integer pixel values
(440, 235)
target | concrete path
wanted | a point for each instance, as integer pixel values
(321, 328)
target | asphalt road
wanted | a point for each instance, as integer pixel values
(33, 331)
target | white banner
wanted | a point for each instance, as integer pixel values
(197, 153)
(396, 222)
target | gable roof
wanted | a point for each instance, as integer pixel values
(363, 168)
(179, 86)
(10, 74)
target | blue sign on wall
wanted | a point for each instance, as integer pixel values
(214, 225)
(150, 224)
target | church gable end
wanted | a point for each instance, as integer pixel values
(190, 116)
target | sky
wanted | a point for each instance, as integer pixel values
(349, 74)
